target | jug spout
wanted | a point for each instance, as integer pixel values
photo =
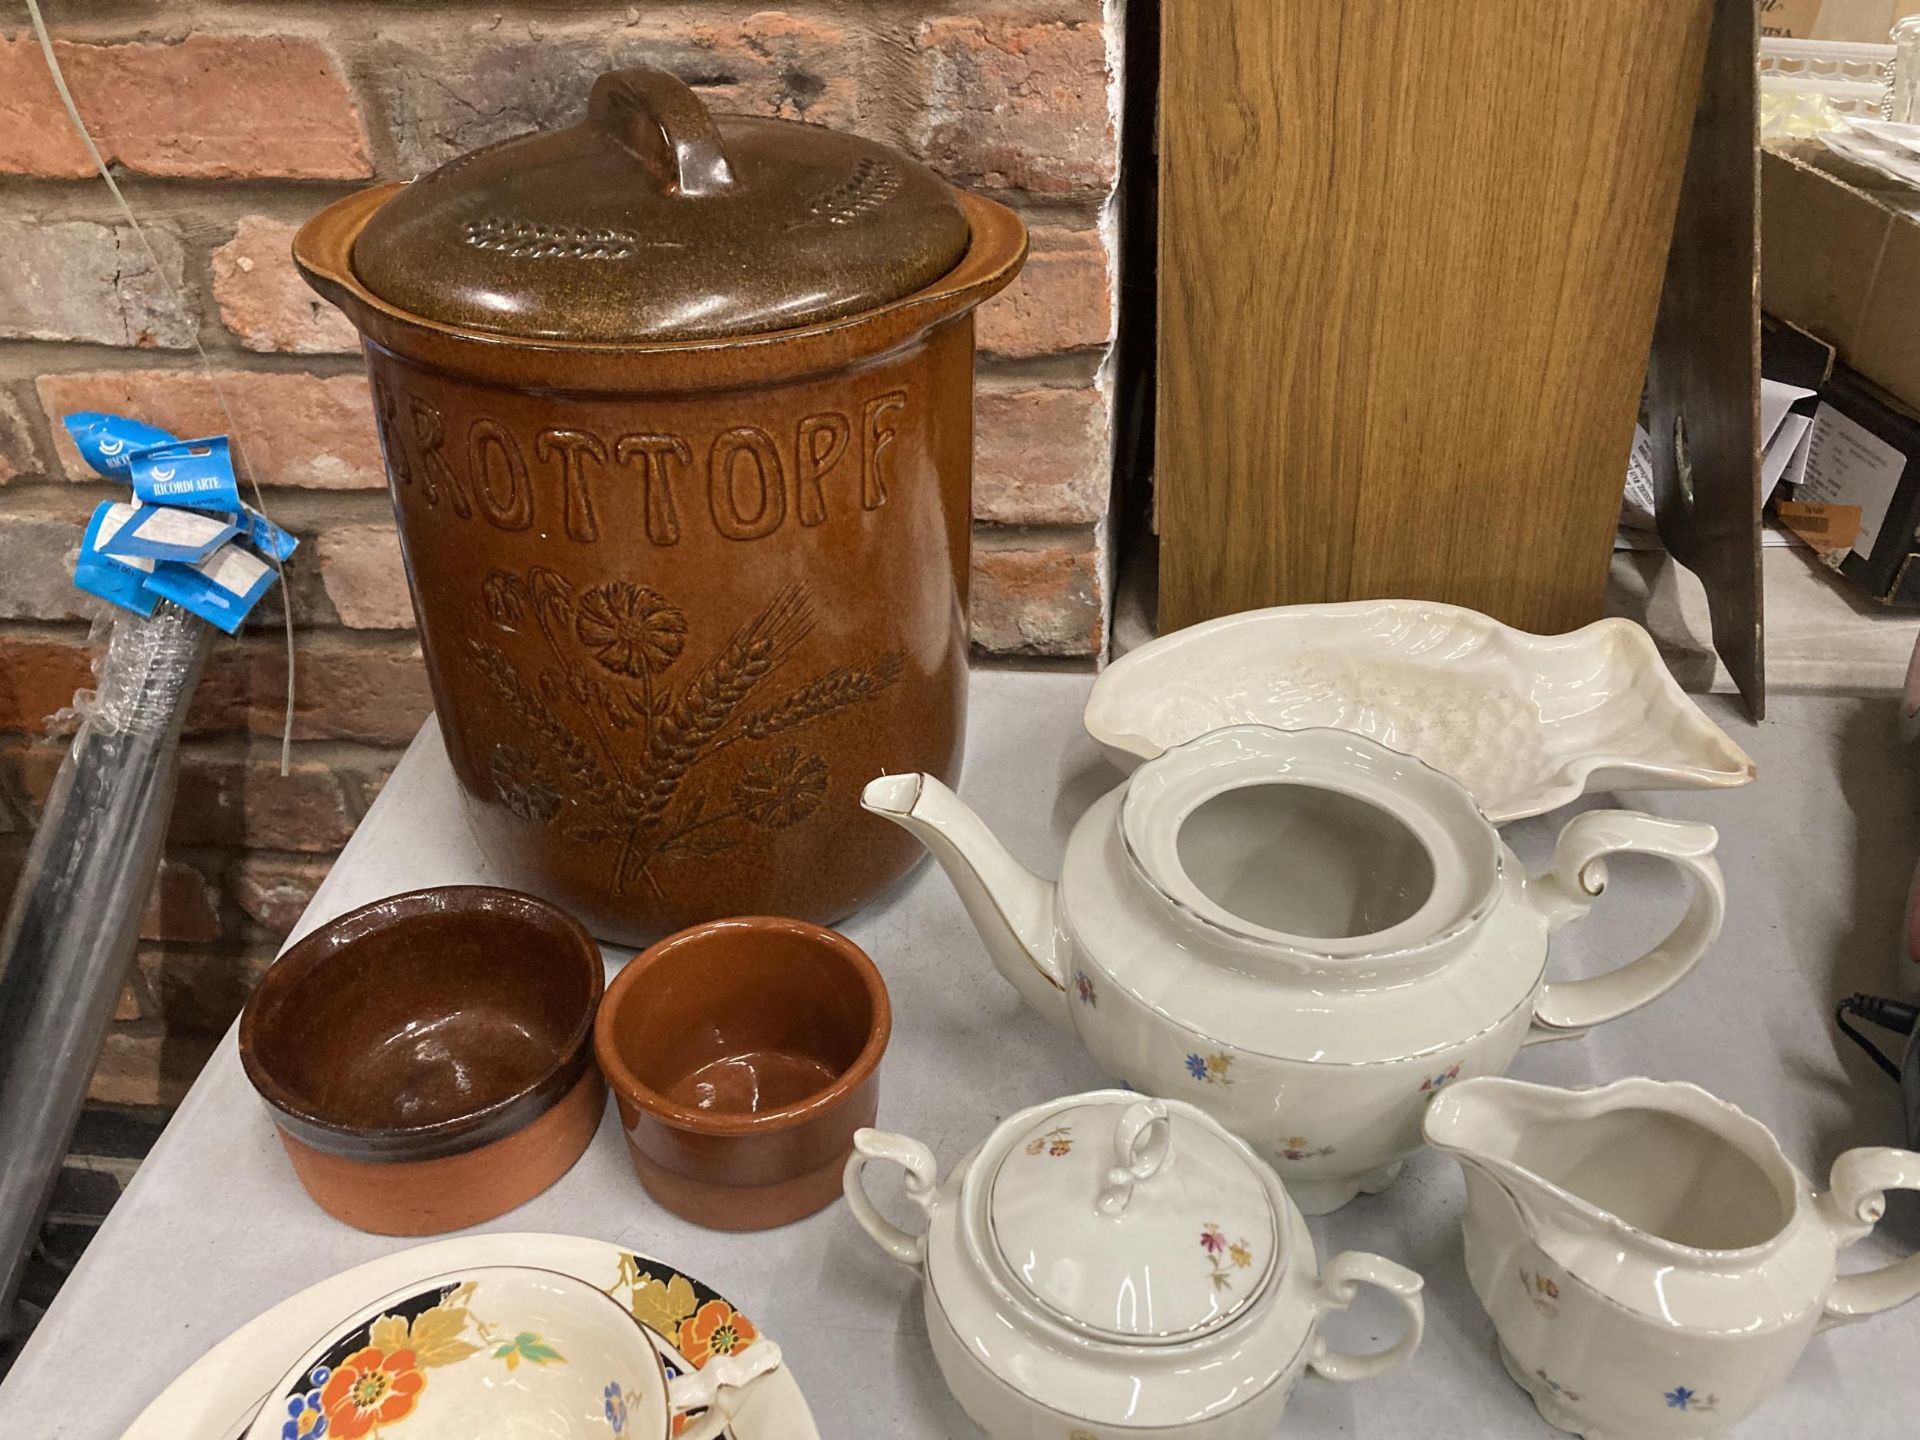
(1015, 911)
(1483, 1123)
(1658, 1169)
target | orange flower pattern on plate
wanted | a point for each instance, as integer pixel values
(716, 1328)
(370, 1387)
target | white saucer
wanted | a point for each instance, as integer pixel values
(219, 1394)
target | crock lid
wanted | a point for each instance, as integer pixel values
(654, 220)
(1131, 1224)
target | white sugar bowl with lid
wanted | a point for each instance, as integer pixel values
(1106, 1267)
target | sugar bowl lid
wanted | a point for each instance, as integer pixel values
(1131, 1223)
(655, 220)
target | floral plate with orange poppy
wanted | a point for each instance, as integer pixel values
(691, 1324)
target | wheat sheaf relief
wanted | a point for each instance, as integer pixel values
(629, 718)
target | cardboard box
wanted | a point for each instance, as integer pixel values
(1865, 21)
(1840, 258)
(1864, 455)
(1793, 19)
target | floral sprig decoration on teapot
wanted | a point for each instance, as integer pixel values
(612, 711)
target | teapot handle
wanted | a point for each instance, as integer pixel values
(1851, 1208)
(1578, 877)
(923, 1177)
(1339, 1283)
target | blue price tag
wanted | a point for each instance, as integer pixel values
(265, 536)
(109, 442)
(198, 473)
(121, 581)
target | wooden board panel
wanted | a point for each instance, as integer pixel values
(1704, 377)
(1409, 259)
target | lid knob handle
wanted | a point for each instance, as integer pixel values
(664, 125)
(1142, 1141)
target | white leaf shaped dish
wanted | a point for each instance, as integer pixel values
(1526, 722)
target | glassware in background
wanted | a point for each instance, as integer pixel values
(1903, 89)
(1807, 86)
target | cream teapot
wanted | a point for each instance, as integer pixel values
(1105, 1267)
(1306, 934)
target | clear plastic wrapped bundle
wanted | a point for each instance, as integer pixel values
(70, 934)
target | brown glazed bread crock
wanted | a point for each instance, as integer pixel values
(743, 1055)
(677, 415)
(428, 1059)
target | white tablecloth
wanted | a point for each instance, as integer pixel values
(214, 1228)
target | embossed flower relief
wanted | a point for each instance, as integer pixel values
(621, 721)
(630, 629)
(782, 791)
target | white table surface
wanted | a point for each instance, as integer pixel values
(214, 1228)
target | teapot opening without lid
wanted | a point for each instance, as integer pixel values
(1321, 864)
(1318, 844)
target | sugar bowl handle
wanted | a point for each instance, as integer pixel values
(703, 1388)
(1860, 1181)
(923, 1178)
(1579, 876)
(665, 126)
(1339, 1283)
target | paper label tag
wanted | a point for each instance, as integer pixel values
(220, 589)
(1788, 442)
(160, 532)
(1825, 528)
(234, 570)
(1847, 464)
(1639, 493)
(108, 522)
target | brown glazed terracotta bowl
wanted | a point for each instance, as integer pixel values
(743, 1055)
(427, 1059)
(676, 410)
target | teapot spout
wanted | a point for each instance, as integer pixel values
(1015, 911)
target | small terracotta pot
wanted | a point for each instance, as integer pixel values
(743, 1055)
(427, 1059)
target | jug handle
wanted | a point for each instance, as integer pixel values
(923, 1177)
(1579, 876)
(1339, 1283)
(1851, 1208)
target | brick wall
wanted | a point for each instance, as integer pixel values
(229, 123)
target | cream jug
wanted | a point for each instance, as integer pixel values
(1652, 1262)
(1306, 934)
